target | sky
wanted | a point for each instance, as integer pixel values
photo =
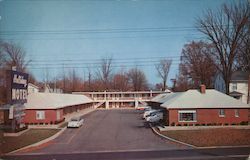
(61, 35)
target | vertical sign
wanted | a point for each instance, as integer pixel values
(17, 85)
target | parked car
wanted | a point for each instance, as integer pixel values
(155, 117)
(147, 113)
(75, 122)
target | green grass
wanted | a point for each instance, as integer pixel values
(32, 136)
(64, 124)
(212, 137)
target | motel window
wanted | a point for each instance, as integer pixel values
(221, 113)
(187, 116)
(40, 115)
(58, 115)
(234, 86)
(236, 113)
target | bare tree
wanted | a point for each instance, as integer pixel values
(225, 29)
(89, 80)
(197, 63)
(10, 55)
(163, 68)
(15, 56)
(104, 72)
(120, 81)
(2, 55)
(182, 83)
(243, 58)
(137, 79)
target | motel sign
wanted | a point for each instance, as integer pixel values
(17, 85)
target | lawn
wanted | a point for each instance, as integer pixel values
(30, 137)
(211, 137)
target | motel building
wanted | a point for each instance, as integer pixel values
(52, 108)
(131, 99)
(201, 107)
(44, 108)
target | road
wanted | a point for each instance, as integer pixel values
(120, 134)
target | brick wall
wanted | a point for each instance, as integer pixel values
(209, 116)
(50, 116)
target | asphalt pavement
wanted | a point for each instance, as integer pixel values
(121, 134)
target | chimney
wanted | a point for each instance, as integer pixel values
(202, 89)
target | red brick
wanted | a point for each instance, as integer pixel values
(206, 116)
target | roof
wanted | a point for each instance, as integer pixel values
(239, 76)
(54, 100)
(195, 99)
(32, 85)
(235, 93)
(161, 98)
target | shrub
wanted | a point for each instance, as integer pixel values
(190, 124)
(185, 124)
(233, 124)
(203, 124)
(197, 124)
(214, 124)
(244, 123)
(178, 124)
(209, 124)
(226, 124)
(172, 124)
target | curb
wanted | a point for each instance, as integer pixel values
(171, 139)
(39, 143)
(15, 134)
(213, 147)
(193, 146)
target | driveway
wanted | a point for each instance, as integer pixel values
(109, 130)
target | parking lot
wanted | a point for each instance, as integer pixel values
(109, 130)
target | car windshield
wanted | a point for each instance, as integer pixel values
(75, 119)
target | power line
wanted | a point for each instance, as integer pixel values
(96, 66)
(93, 64)
(107, 30)
(113, 59)
(99, 38)
(96, 63)
(52, 54)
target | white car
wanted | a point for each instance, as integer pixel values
(155, 117)
(147, 113)
(75, 122)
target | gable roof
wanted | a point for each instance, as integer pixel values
(195, 99)
(54, 100)
(235, 93)
(161, 98)
(32, 85)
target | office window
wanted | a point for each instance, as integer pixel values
(187, 116)
(236, 113)
(40, 115)
(222, 113)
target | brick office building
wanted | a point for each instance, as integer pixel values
(203, 107)
(51, 108)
